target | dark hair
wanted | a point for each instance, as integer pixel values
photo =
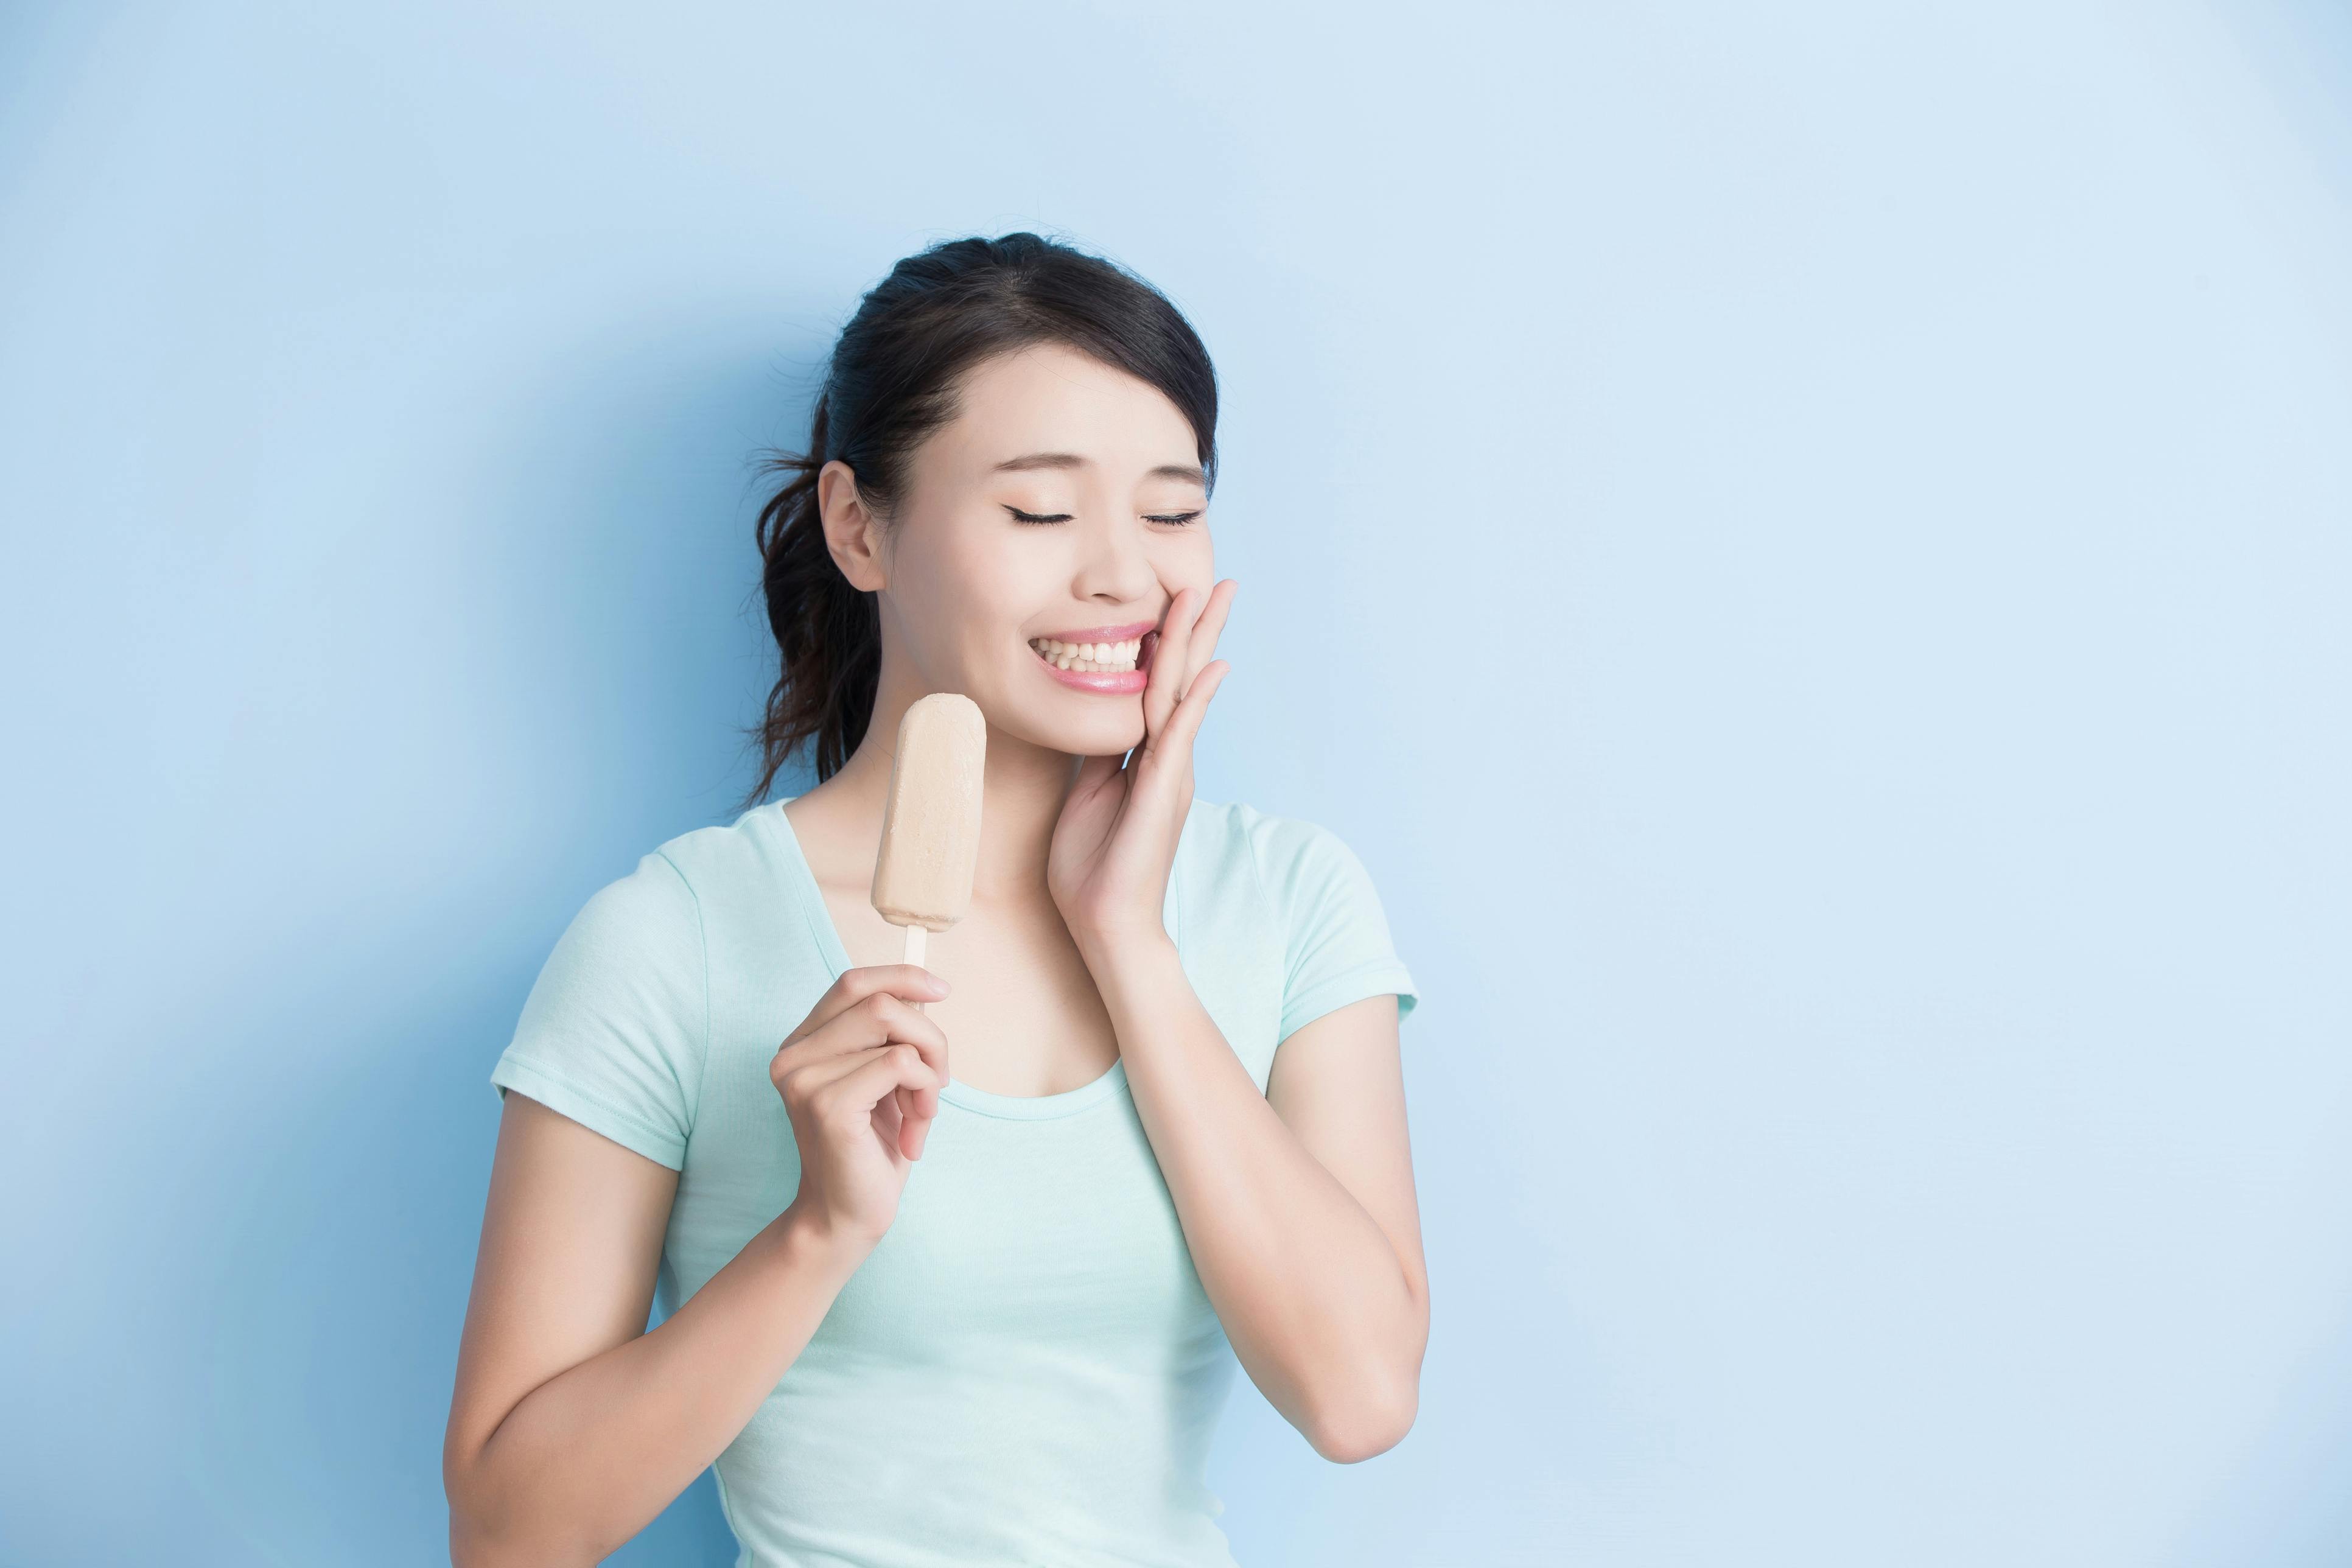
(891, 381)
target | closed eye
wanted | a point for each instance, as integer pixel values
(1174, 519)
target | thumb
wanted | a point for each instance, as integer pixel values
(1094, 772)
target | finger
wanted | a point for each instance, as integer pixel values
(1176, 741)
(1201, 646)
(1094, 773)
(871, 1081)
(880, 1020)
(902, 1123)
(910, 982)
(1166, 680)
(918, 1133)
(921, 1085)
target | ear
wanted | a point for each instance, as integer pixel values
(852, 535)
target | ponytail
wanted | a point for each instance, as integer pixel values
(827, 632)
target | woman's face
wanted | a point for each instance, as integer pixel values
(1060, 510)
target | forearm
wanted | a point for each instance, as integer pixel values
(1309, 1288)
(590, 1457)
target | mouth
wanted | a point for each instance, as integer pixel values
(1110, 660)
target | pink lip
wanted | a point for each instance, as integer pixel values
(1108, 682)
(1103, 634)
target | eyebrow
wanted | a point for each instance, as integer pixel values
(1071, 460)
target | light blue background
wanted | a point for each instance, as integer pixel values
(1806, 547)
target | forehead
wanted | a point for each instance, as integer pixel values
(1051, 398)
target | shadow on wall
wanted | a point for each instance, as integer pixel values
(329, 1218)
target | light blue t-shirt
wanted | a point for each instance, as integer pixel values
(1025, 1369)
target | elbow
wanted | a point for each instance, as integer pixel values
(473, 1542)
(472, 1545)
(1380, 1409)
(484, 1532)
(1371, 1428)
(468, 1547)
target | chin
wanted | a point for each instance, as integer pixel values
(1104, 737)
(1058, 721)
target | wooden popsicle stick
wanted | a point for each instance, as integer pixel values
(915, 938)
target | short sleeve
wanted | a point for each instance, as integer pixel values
(1334, 945)
(616, 1026)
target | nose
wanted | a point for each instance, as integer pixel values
(1112, 567)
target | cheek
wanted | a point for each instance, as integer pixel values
(975, 600)
(946, 576)
(1186, 559)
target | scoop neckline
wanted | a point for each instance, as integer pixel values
(969, 1097)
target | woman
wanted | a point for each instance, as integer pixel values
(723, 1084)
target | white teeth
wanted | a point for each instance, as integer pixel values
(1089, 656)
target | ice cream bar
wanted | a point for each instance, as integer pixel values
(930, 829)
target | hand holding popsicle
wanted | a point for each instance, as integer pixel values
(861, 1077)
(1116, 839)
(860, 1080)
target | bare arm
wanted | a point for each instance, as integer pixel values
(572, 1427)
(1297, 1204)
